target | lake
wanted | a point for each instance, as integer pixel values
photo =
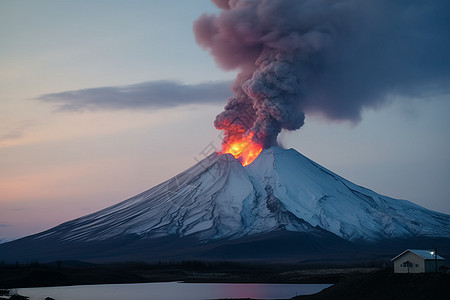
(172, 291)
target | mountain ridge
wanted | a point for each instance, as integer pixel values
(218, 201)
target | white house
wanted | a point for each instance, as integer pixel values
(417, 261)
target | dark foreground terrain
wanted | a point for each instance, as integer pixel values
(384, 284)
(351, 282)
(78, 273)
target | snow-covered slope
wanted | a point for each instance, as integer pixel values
(219, 198)
(324, 199)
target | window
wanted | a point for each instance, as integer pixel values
(407, 264)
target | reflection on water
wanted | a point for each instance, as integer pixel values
(172, 291)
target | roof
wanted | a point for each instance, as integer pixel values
(425, 254)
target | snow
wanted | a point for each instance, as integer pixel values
(219, 198)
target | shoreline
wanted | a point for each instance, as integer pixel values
(374, 284)
(74, 273)
(173, 290)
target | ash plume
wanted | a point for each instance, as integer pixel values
(332, 57)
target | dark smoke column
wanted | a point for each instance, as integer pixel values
(332, 57)
(256, 38)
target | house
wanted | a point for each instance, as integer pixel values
(417, 261)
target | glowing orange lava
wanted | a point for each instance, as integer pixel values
(242, 148)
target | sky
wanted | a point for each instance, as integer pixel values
(102, 100)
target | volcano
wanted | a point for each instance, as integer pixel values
(282, 206)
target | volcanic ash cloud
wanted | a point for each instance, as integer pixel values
(329, 57)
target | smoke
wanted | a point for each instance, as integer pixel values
(332, 57)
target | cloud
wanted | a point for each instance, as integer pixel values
(147, 95)
(15, 132)
(4, 225)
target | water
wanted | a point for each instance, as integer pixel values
(172, 291)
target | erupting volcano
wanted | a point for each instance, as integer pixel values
(256, 200)
(282, 206)
(242, 147)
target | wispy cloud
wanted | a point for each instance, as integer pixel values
(10, 134)
(147, 95)
(14, 132)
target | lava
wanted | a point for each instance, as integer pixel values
(243, 148)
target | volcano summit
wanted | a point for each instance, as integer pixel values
(281, 206)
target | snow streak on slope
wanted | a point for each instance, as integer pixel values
(219, 198)
(327, 200)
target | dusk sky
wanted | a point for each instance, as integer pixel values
(102, 100)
